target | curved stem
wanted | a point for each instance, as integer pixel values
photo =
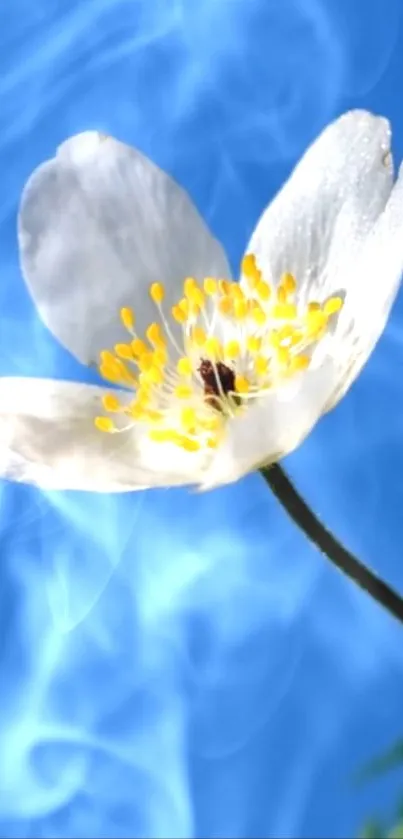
(324, 540)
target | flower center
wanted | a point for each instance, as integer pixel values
(224, 345)
(217, 379)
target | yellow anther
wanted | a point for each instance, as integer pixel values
(157, 292)
(154, 335)
(124, 351)
(241, 384)
(194, 309)
(189, 444)
(178, 314)
(139, 348)
(184, 366)
(225, 305)
(316, 322)
(299, 362)
(258, 315)
(189, 286)
(146, 361)
(104, 424)
(263, 290)
(198, 336)
(248, 265)
(213, 347)
(184, 305)
(183, 391)
(111, 374)
(286, 332)
(288, 283)
(150, 416)
(224, 286)
(250, 270)
(108, 357)
(253, 343)
(212, 442)
(139, 406)
(284, 311)
(261, 365)
(154, 375)
(162, 435)
(196, 297)
(232, 349)
(283, 356)
(332, 305)
(313, 307)
(160, 356)
(111, 403)
(240, 309)
(210, 286)
(188, 419)
(236, 292)
(168, 435)
(210, 424)
(127, 318)
(281, 294)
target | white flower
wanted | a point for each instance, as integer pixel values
(214, 378)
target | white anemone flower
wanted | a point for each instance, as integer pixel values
(206, 378)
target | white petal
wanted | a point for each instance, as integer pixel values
(371, 291)
(271, 428)
(47, 438)
(317, 224)
(98, 224)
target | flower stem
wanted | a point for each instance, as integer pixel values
(328, 545)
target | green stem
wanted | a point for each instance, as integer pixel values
(328, 545)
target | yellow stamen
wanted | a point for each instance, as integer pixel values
(183, 391)
(111, 403)
(210, 286)
(184, 366)
(127, 318)
(284, 311)
(241, 384)
(263, 290)
(258, 315)
(288, 283)
(253, 343)
(188, 419)
(124, 351)
(198, 335)
(104, 424)
(213, 347)
(225, 305)
(154, 335)
(157, 292)
(189, 286)
(240, 309)
(299, 362)
(332, 305)
(139, 348)
(232, 349)
(178, 314)
(261, 365)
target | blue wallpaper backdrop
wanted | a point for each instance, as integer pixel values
(174, 664)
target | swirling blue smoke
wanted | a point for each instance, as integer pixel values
(174, 664)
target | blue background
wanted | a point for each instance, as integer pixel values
(153, 683)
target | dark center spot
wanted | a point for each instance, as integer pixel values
(213, 376)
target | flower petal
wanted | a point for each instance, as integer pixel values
(271, 428)
(98, 224)
(47, 438)
(317, 224)
(371, 291)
